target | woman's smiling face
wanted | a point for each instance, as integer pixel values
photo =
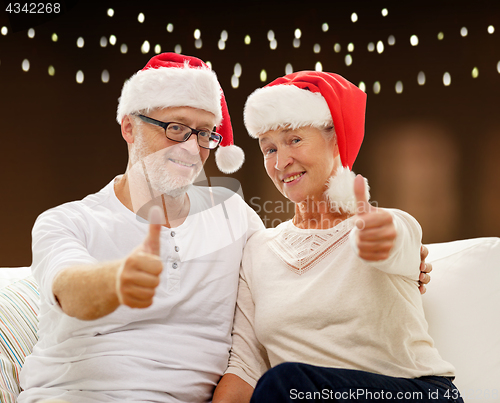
(300, 161)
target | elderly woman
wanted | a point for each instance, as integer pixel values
(328, 302)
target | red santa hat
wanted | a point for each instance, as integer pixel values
(171, 80)
(311, 98)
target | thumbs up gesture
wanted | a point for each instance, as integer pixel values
(139, 273)
(376, 232)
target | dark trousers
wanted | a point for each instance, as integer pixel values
(295, 382)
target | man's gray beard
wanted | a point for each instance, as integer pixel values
(158, 177)
(165, 183)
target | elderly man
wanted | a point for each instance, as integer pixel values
(97, 259)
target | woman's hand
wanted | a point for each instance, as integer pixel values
(232, 389)
(377, 233)
(376, 230)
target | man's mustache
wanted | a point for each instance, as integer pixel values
(167, 155)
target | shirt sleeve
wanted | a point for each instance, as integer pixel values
(254, 221)
(248, 358)
(404, 257)
(59, 241)
(242, 220)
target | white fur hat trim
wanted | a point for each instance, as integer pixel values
(166, 87)
(340, 191)
(229, 159)
(282, 105)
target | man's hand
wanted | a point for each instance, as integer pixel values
(424, 269)
(376, 231)
(139, 274)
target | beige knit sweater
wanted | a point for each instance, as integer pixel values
(305, 296)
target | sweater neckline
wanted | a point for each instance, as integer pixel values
(342, 224)
(302, 249)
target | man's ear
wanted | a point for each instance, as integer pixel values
(127, 127)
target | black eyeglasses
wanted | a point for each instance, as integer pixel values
(181, 133)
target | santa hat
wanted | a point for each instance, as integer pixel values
(171, 80)
(310, 98)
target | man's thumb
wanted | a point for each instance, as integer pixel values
(152, 241)
(361, 195)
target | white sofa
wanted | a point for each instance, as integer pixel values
(462, 305)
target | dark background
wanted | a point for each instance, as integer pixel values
(432, 150)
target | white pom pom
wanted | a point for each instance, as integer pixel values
(340, 192)
(229, 159)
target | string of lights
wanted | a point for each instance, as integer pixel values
(347, 51)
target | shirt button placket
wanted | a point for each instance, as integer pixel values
(174, 273)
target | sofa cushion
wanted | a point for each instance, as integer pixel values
(19, 303)
(9, 275)
(462, 307)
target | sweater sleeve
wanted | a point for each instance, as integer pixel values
(404, 258)
(248, 358)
